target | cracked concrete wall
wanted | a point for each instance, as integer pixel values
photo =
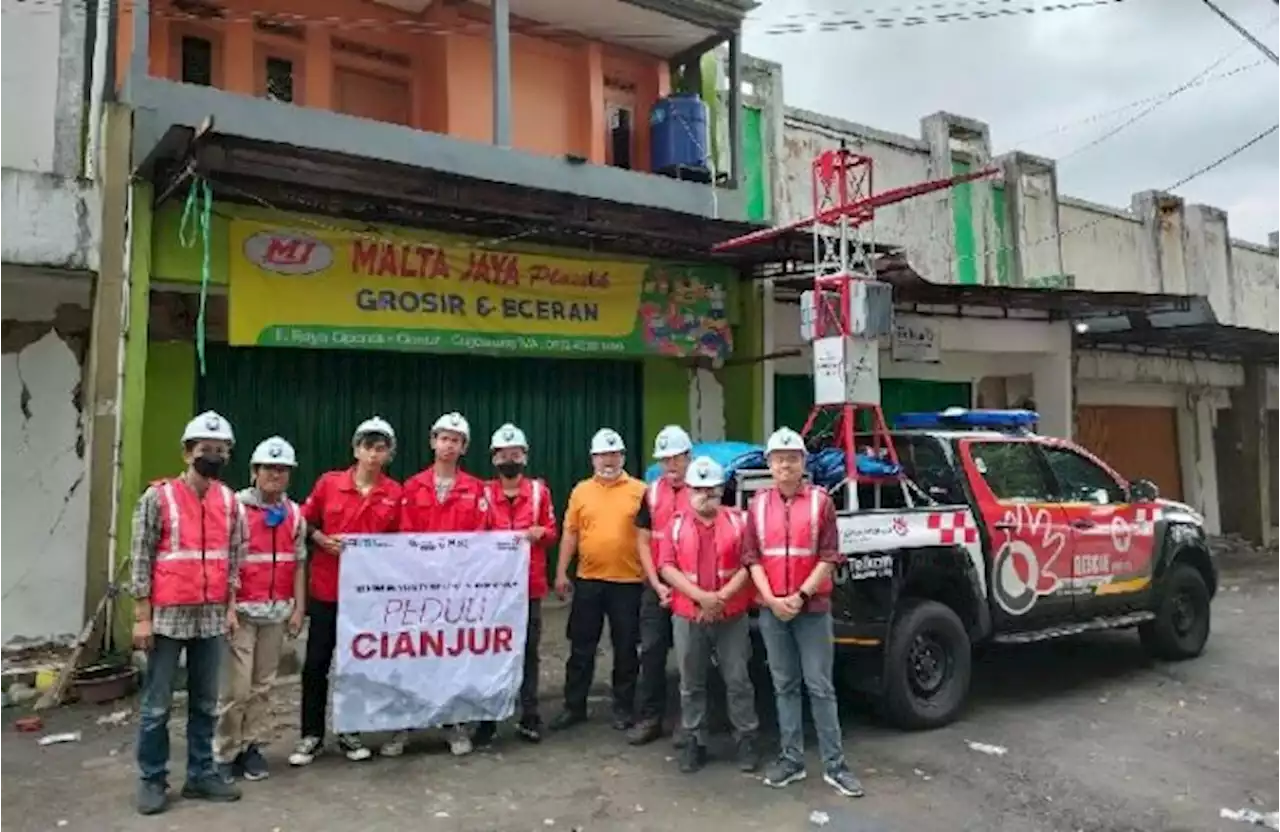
(46, 501)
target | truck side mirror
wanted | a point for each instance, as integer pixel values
(1143, 491)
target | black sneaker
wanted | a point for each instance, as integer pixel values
(644, 732)
(692, 757)
(484, 735)
(783, 772)
(253, 765)
(566, 719)
(153, 797)
(212, 788)
(228, 771)
(679, 738)
(748, 754)
(843, 781)
(530, 729)
(622, 721)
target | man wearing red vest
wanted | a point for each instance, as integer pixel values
(522, 503)
(272, 595)
(792, 546)
(187, 543)
(665, 498)
(700, 557)
(443, 498)
(356, 500)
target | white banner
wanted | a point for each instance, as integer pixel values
(431, 629)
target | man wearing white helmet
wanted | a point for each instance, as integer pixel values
(522, 503)
(273, 592)
(361, 499)
(792, 547)
(599, 529)
(187, 543)
(443, 498)
(700, 556)
(664, 499)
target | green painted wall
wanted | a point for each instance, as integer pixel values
(962, 213)
(666, 402)
(744, 383)
(171, 367)
(793, 397)
(755, 185)
(1003, 276)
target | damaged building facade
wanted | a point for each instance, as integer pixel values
(51, 238)
(1147, 333)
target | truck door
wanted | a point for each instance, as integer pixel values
(1026, 532)
(1112, 539)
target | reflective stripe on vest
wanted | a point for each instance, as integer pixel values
(759, 510)
(724, 568)
(193, 570)
(270, 564)
(788, 562)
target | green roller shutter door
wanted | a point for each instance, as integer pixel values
(793, 397)
(315, 398)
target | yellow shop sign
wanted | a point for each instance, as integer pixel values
(399, 290)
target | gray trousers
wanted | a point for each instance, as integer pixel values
(801, 654)
(730, 643)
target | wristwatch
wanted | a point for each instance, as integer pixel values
(804, 596)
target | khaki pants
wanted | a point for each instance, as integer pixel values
(248, 670)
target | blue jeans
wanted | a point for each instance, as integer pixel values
(203, 656)
(800, 650)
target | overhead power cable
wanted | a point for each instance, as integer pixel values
(1244, 33)
(861, 20)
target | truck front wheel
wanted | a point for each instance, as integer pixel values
(928, 664)
(1181, 625)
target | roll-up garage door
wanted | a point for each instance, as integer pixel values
(1138, 442)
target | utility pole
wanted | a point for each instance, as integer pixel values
(1244, 33)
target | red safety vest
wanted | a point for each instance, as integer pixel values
(269, 565)
(532, 507)
(684, 543)
(788, 536)
(193, 553)
(665, 503)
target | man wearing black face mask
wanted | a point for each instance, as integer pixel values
(187, 543)
(519, 503)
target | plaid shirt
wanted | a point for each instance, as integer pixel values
(185, 622)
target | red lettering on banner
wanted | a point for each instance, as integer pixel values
(493, 267)
(386, 259)
(476, 641)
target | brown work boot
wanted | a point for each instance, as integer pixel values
(644, 732)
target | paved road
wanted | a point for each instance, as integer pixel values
(1099, 739)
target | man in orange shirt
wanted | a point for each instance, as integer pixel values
(599, 527)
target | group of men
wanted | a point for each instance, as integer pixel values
(219, 575)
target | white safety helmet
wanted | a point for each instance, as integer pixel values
(375, 425)
(671, 441)
(607, 441)
(274, 451)
(208, 425)
(508, 436)
(784, 439)
(455, 422)
(705, 472)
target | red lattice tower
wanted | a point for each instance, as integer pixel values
(844, 255)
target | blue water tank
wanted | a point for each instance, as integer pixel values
(678, 134)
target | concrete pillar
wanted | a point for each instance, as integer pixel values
(1160, 244)
(101, 410)
(1206, 240)
(1031, 252)
(735, 109)
(953, 138)
(501, 73)
(1052, 386)
(706, 406)
(1249, 409)
(1196, 456)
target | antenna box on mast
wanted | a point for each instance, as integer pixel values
(869, 310)
(846, 371)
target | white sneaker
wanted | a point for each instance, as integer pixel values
(460, 741)
(355, 750)
(306, 751)
(394, 747)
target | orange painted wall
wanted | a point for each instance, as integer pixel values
(442, 60)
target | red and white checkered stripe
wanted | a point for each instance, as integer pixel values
(953, 527)
(1144, 520)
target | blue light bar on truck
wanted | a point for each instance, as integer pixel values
(960, 417)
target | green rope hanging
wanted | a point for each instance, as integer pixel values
(196, 217)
